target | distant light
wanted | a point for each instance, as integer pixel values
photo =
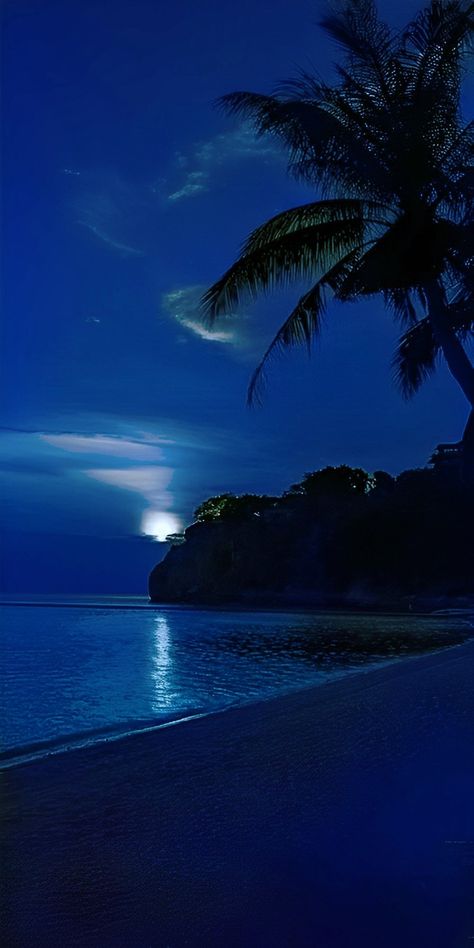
(159, 524)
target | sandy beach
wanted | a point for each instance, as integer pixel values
(339, 816)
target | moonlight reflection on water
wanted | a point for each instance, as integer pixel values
(162, 666)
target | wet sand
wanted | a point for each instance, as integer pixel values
(338, 817)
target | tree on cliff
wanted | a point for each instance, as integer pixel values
(391, 158)
(232, 507)
(342, 481)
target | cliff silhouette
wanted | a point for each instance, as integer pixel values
(340, 538)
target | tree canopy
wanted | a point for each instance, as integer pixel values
(335, 481)
(232, 507)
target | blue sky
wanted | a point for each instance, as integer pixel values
(125, 194)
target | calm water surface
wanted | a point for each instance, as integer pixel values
(71, 670)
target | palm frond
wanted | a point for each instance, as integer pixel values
(368, 43)
(296, 255)
(443, 29)
(264, 112)
(432, 59)
(303, 323)
(329, 141)
(417, 351)
(400, 301)
(337, 210)
(435, 45)
(415, 358)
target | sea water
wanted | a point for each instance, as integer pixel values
(76, 671)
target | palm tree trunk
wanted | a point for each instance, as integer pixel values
(457, 359)
(459, 365)
(468, 450)
(468, 434)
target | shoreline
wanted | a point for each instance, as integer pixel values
(333, 815)
(42, 751)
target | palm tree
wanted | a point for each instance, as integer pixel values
(391, 160)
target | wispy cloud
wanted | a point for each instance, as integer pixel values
(144, 464)
(243, 336)
(110, 208)
(183, 306)
(120, 438)
(106, 446)
(124, 249)
(72, 480)
(195, 182)
(150, 479)
(150, 482)
(204, 158)
(235, 144)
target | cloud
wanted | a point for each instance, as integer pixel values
(234, 145)
(75, 460)
(110, 208)
(195, 183)
(73, 480)
(207, 156)
(124, 249)
(149, 479)
(150, 482)
(119, 437)
(246, 338)
(183, 305)
(105, 445)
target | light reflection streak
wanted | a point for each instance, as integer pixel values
(162, 664)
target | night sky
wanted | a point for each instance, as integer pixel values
(126, 193)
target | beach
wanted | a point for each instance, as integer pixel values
(341, 815)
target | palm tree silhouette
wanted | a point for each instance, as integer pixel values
(391, 158)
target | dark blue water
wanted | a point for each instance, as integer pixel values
(81, 672)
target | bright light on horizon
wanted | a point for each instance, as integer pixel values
(159, 524)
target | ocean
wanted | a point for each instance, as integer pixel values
(83, 671)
